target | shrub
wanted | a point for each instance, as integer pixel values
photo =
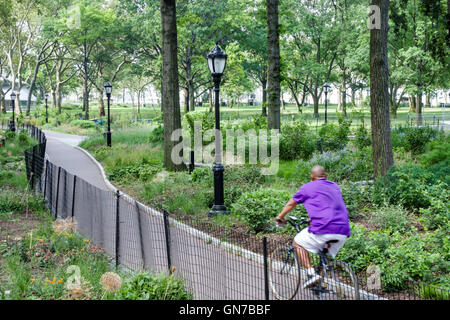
(413, 139)
(86, 124)
(401, 257)
(257, 122)
(10, 135)
(144, 286)
(438, 213)
(141, 171)
(393, 218)
(362, 138)
(248, 174)
(342, 165)
(257, 208)
(436, 151)
(157, 135)
(441, 171)
(357, 197)
(297, 141)
(334, 137)
(24, 139)
(405, 185)
(206, 120)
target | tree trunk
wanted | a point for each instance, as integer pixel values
(139, 101)
(101, 105)
(210, 100)
(379, 94)
(59, 99)
(412, 103)
(2, 104)
(32, 84)
(344, 93)
(264, 97)
(353, 97)
(191, 96)
(85, 83)
(316, 104)
(170, 86)
(273, 69)
(186, 100)
(419, 115)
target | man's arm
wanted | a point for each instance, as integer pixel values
(287, 208)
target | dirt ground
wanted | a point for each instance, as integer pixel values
(18, 225)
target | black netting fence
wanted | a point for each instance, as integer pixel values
(215, 262)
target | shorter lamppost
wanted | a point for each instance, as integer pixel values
(326, 86)
(46, 108)
(108, 90)
(12, 124)
(216, 62)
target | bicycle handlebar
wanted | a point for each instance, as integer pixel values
(293, 221)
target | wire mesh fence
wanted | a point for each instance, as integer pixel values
(216, 263)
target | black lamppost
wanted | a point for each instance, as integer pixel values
(217, 60)
(12, 124)
(326, 86)
(108, 90)
(46, 108)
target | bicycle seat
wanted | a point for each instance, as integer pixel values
(332, 241)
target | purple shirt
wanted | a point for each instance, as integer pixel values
(325, 207)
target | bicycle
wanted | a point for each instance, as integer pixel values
(337, 279)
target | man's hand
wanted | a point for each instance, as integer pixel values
(280, 220)
(287, 208)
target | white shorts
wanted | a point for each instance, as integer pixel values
(316, 242)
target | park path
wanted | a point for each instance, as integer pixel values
(61, 151)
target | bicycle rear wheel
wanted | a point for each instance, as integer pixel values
(339, 282)
(284, 273)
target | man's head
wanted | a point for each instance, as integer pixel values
(318, 172)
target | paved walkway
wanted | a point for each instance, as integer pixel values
(61, 152)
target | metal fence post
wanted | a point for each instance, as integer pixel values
(140, 234)
(57, 193)
(117, 227)
(167, 234)
(191, 162)
(266, 273)
(73, 195)
(45, 179)
(33, 167)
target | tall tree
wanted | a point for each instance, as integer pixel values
(170, 86)
(273, 70)
(379, 93)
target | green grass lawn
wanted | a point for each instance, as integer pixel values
(124, 116)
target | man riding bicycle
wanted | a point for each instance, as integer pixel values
(328, 218)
